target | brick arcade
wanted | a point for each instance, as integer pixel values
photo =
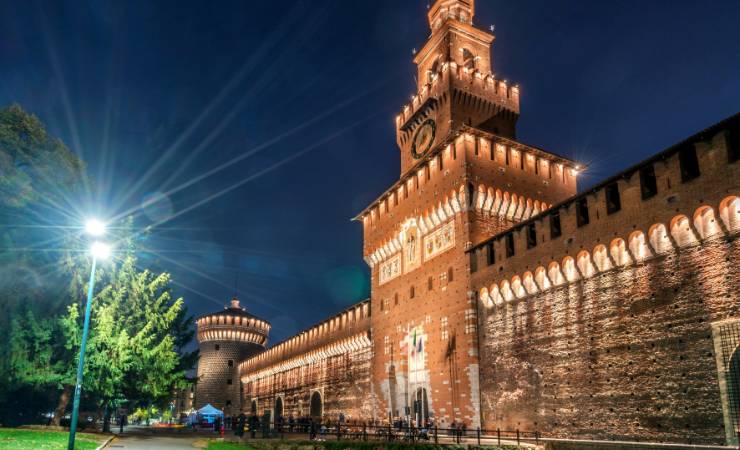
(501, 297)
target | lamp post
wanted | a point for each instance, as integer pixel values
(98, 250)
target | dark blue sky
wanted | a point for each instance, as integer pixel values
(155, 94)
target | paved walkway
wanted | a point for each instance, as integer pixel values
(149, 438)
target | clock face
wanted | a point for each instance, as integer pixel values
(423, 138)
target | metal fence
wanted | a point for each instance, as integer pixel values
(391, 433)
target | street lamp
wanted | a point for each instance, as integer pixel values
(98, 250)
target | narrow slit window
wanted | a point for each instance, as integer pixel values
(555, 230)
(581, 212)
(510, 245)
(450, 274)
(648, 182)
(689, 163)
(613, 202)
(490, 254)
(531, 236)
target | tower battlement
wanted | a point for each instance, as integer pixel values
(490, 92)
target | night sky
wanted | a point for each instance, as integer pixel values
(257, 130)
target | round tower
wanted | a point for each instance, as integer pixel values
(226, 338)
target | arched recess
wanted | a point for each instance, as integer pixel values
(681, 230)
(601, 258)
(540, 276)
(658, 236)
(278, 410)
(517, 288)
(705, 222)
(485, 298)
(529, 284)
(729, 212)
(421, 407)
(569, 268)
(316, 407)
(495, 295)
(555, 274)
(583, 259)
(618, 250)
(638, 245)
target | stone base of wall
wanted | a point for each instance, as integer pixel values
(621, 445)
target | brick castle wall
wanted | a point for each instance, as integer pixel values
(627, 353)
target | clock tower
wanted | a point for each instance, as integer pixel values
(463, 179)
(456, 85)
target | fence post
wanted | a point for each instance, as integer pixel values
(498, 433)
(364, 432)
(478, 436)
(436, 441)
(537, 437)
(388, 436)
(517, 437)
(339, 431)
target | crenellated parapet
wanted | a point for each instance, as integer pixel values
(677, 198)
(347, 325)
(480, 87)
(232, 324)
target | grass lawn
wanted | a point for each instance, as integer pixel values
(213, 445)
(17, 439)
(334, 445)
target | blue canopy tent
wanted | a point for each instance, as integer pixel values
(209, 414)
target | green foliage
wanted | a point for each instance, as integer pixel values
(15, 439)
(137, 330)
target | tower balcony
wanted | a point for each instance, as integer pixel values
(232, 324)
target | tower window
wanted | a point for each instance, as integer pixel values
(228, 402)
(468, 59)
(581, 212)
(450, 274)
(689, 163)
(230, 363)
(531, 236)
(648, 182)
(490, 254)
(228, 381)
(412, 294)
(509, 245)
(395, 298)
(613, 202)
(430, 283)
(555, 230)
(217, 347)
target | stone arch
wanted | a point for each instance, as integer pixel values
(505, 201)
(540, 276)
(705, 222)
(517, 288)
(316, 407)
(278, 410)
(529, 285)
(638, 245)
(619, 253)
(512, 206)
(485, 298)
(434, 69)
(505, 289)
(658, 238)
(495, 295)
(555, 274)
(601, 258)
(421, 406)
(569, 269)
(583, 260)
(681, 230)
(729, 212)
(490, 197)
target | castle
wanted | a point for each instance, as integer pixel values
(501, 297)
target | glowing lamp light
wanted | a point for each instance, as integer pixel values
(100, 250)
(94, 227)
